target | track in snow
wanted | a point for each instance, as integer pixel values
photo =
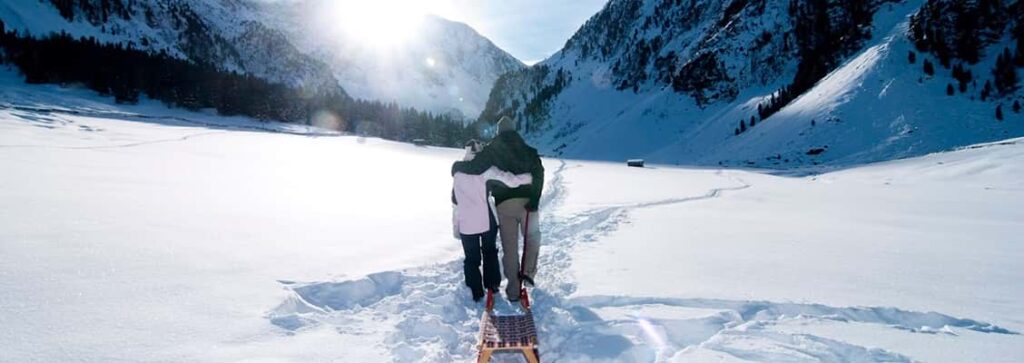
(49, 117)
(425, 314)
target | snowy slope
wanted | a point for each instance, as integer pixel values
(616, 104)
(142, 233)
(877, 106)
(226, 33)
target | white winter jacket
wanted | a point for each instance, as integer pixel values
(471, 209)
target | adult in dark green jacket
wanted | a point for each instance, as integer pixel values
(516, 207)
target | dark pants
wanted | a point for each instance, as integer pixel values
(476, 246)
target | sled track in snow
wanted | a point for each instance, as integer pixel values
(118, 146)
(40, 116)
(430, 318)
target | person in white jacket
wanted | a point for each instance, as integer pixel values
(474, 222)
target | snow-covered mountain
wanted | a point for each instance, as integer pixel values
(447, 67)
(225, 33)
(442, 66)
(769, 83)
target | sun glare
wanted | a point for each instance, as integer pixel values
(379, 23)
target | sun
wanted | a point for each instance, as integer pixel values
(379, 23)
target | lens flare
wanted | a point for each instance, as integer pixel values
(651, 332)
(328, 120)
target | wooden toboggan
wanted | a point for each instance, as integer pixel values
(510, 333)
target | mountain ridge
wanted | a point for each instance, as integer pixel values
(699, 82)
(249, 37)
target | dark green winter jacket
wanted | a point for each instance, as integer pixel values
(509, 152)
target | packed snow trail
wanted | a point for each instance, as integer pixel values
(430, 318)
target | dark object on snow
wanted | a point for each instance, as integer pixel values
(815, 151)
(636, 163)
(419, 142)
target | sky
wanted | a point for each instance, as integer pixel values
(530, 30)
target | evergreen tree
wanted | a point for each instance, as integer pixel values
(1018, 34)
(125, 73)
(743, 126)
(941, 50)
(999, 112)
(911, 57)
(753, 121)
(966, 28)
(963, 76)
(1016, 106)
(1005, 73)
(929, 69)
(949, 89)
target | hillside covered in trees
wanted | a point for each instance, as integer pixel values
(127, 73)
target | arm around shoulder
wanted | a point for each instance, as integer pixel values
(537, 187)
(509, 179)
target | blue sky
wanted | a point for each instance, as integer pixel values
(530, 30)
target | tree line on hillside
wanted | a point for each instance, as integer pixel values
(957, 33)
(125, 73)
(959, 29)
(94, 12)
(822, 41)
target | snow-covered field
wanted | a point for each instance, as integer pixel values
(139, 233)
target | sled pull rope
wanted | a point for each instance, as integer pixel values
(526, 240)
(524, 298)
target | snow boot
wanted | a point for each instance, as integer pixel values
(526, 280)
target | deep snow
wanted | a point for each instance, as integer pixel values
(141, 233)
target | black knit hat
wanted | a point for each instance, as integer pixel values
(506, 124)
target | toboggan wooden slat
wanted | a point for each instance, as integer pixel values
(508, 333)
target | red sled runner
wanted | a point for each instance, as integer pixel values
(509, 333)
